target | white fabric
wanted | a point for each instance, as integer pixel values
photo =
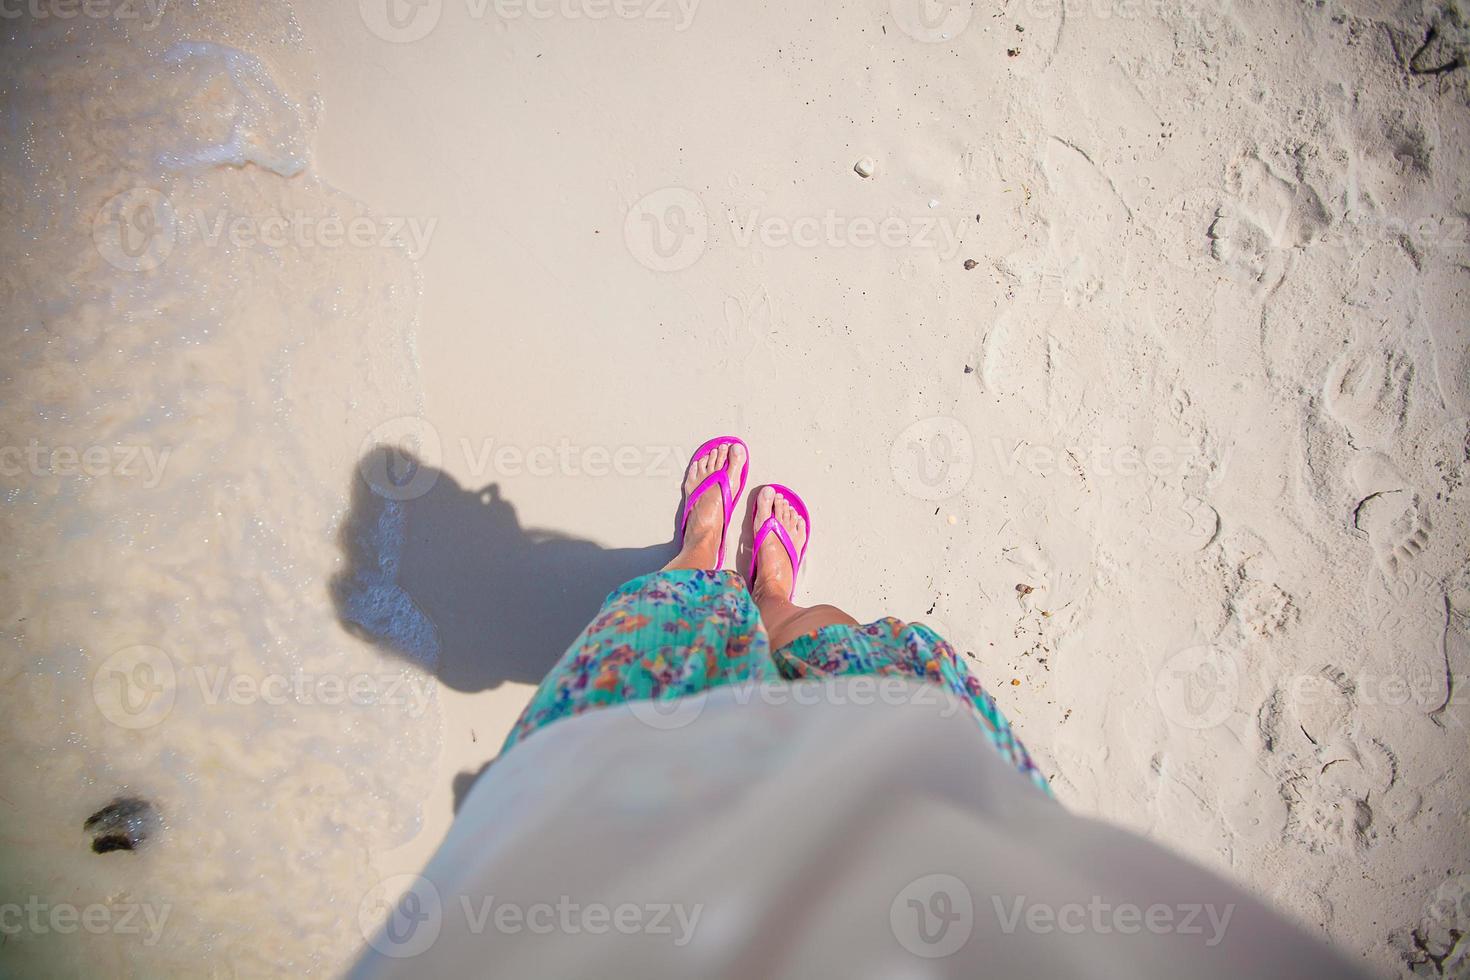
(807, 830)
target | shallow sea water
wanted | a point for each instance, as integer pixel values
(194, 358)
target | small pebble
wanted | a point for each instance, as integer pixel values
(970, 264)
(934, 203)
(122, 824)
(866, 167)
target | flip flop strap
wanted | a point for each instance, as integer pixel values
(770, 525)
(720, 478)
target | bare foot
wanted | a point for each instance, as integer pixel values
(773, 573)
(707, 518)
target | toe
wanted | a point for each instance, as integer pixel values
(763, 503)
(737, 461)
(783, 511)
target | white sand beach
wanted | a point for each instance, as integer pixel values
(1124, 342)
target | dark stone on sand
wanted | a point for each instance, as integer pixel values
(111, 842)
(122, 825)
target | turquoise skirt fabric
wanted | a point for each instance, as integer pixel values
(671, 635)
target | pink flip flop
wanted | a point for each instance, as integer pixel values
(721, 479)
(771, 524)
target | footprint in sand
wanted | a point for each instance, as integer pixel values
(1264, 609)
(1444, 321)
(748, 326)
(1354, 785)
(1255, 231)
(1398, 527)
(1181, 521)
(1015, 361)
(1405, 664)
(1367, 390)
(1323, 819)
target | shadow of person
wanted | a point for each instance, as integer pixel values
(446, 575)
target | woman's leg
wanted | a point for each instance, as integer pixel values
(686, 629)
(888, 647)
(784, 619)
(707, 521)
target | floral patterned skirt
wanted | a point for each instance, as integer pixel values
(671, 635)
